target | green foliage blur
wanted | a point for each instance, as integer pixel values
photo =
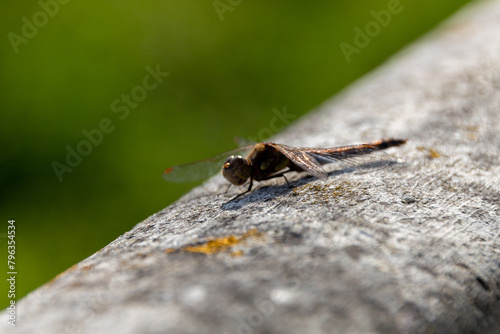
(229, 66)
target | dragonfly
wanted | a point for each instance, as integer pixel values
(267, 160)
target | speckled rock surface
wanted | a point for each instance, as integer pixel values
(412, 248)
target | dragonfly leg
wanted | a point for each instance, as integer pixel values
(279, 175)
(243, 193)
(267, 178)
(289, 186)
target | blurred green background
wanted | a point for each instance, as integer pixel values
(229, 68)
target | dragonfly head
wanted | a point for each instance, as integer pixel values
(237, 169)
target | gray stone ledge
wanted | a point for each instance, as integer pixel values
(413, 248)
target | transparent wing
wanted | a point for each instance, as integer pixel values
(362, 160)
(202, 169)
(243, 142)
(302, 159)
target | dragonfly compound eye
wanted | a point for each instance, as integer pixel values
(237, 170)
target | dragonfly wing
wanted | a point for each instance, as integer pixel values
(365, 160)
(243, 142)
(361, 156)
(305, 161)
(200, 170)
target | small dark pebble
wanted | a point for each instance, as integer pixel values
(408, 200)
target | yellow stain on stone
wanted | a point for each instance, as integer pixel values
(237, 253)
(433, 153)
(219, 245)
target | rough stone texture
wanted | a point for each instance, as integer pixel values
(413, 248)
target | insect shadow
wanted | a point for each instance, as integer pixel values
(268, 192)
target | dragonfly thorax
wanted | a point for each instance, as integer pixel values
(237, 169)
